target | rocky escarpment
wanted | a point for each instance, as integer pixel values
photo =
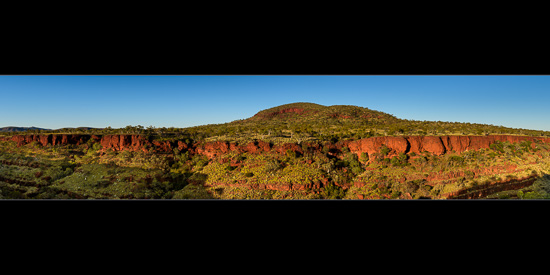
(142, 143)
(437, 145)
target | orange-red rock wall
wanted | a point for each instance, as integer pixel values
(437, 145)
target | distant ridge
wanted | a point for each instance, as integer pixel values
(20, 129)
(81, 128)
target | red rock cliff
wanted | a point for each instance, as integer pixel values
(436, 145)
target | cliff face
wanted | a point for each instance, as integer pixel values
(125, 142)
(116, 142)
(141, 143)
(437, 145)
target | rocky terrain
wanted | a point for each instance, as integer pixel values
(293, 151)
(437, 145)
(412, 147)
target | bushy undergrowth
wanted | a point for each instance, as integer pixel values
(88, 172)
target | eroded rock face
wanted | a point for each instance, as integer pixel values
(459, 143)
(397, 144)
(20, 140)
(125, 142)
(56, 140)
(46, 140)
(263, 146)
(182, 145)
(436, 145)
(465, 143)
(163, 146)
(213, 149)
(433, 145)
(64, 139)
(283, 148)
(139, 142)
(106, 141)
(415, 144)
(372, 145)
(252, 147)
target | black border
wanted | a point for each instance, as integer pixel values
(302, 212)
(375, 216)
(207, 57)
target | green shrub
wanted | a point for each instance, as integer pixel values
(411, 186)
(197, 178)
(421, 160)
(384, 150)
(241, 158)
(331, 191)
(399, 160)
(525, 145)
(272, 165)
(364, 157)
(497, 146)
(357, 169)
(520, 194)
(352, 161)
(291, 154)
(325, 150)
(199, 161)
(456, 160)
(96, 146)
(395, 161)
(341, 163)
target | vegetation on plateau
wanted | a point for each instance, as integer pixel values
(298, 122)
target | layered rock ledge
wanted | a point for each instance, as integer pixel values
(437, 145)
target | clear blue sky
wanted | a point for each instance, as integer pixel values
(182, 101)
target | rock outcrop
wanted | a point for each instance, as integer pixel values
(433, 145)
(212, 149)
(372, 145)
(437, 145)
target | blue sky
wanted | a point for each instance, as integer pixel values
(55, 101)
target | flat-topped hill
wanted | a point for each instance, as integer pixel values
(304, 112)
(303, 121)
